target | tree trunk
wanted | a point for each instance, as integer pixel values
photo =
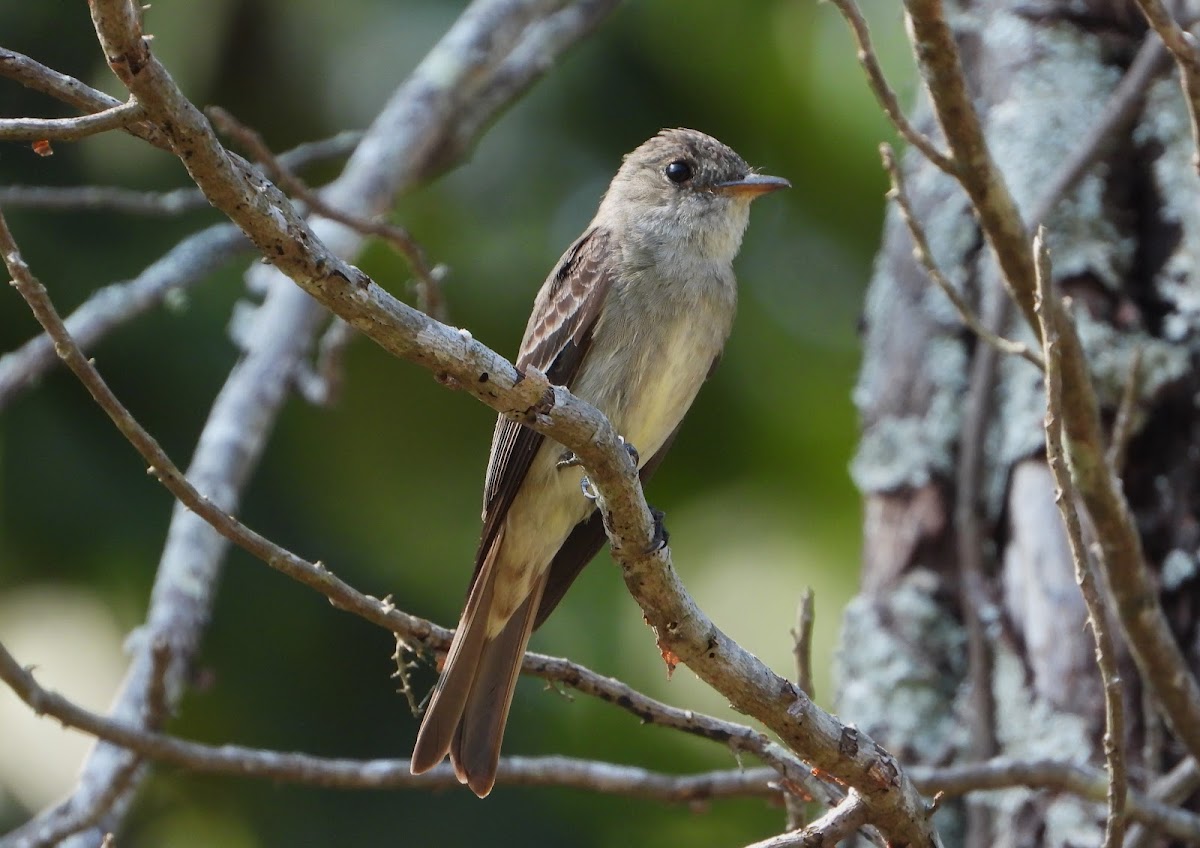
(966, 570)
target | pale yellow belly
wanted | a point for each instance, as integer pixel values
(645, 398)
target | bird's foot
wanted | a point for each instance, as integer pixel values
(568, 460)
(588, 488)
(661, 534)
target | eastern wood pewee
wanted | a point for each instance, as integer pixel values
(632, 319)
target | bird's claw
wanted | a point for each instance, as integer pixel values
(632, 451)
(569, 459)
(661, 534)
(588, 488)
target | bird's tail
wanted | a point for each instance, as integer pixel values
(469, 707)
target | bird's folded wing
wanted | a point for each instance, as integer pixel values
(556, 341)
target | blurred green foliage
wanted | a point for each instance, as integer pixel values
(385, 486)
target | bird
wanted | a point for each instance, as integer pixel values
(632, 319)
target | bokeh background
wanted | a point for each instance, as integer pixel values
(385, 486)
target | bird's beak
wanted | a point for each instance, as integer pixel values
(753, 185)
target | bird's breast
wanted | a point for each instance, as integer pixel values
(649, 366)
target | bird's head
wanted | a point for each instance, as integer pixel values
(685, 185)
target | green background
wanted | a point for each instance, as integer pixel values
(385, 486)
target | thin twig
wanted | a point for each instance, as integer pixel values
(403, 666)
(173, 202)
(1123, 425)
(71, 129)
(1153, 735)
(33, 74)
(428, 279)
(1117, 115)
(1055, 324)
(795, 808)
(1177, 785)
(924, 256)
(884, 94)
(321, 384)
(837, 824)
(103, 199)
(1182, 45)
(802, 641)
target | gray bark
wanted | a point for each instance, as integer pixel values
(1125, 243)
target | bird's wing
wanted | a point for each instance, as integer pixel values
(556, 340)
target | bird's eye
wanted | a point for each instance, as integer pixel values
(679, 172)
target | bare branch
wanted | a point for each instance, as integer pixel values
(33, 74)
(796, 777)
(1055, 322)
(341, 773)
(71, 129)
(174, 202)
(884, 94)
(103, 198)
(1182, 45)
